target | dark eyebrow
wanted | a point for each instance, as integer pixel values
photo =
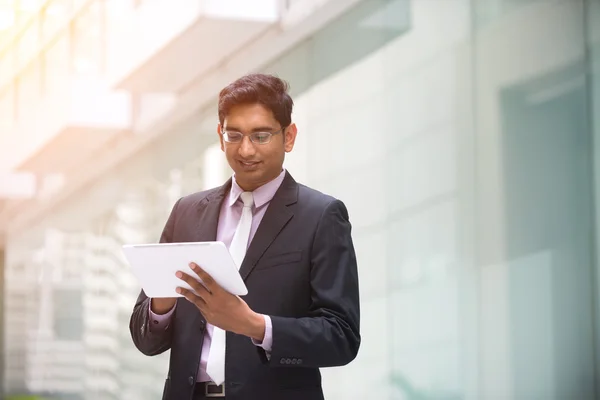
(256, 129)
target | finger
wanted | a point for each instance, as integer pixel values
(192, 297)
(202, 291)
(193, 282)
(206, 278)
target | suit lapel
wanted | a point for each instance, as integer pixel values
(275, 219)
(209, 210)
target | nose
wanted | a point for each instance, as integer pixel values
(246, 149)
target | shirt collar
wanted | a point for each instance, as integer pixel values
(262, 195)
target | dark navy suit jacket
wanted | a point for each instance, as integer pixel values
(300, 269)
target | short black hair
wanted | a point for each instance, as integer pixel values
(267, 90)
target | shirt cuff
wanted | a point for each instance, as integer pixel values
(158, 321)
(267, 342)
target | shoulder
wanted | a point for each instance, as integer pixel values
(195, 199)
(318, 202)
(314, 197)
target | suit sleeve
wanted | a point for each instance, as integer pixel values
(156, 341)
(330, 335)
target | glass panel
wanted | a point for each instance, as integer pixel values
(68, 314)
(7, 109)
(57, 67)
(87, 41)
(28, 44)
(29, 91)
(426, 99)
(7, 67)
(488, 11)
(78, 3)
(26, 11)
(8, 20)
(119, 17)
(593, 37)
(55, 15)
(118, 12)
(534, 204)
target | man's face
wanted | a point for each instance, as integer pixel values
(255, 164)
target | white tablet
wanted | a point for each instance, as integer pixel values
(155, 265)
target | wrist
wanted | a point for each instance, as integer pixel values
(255, 328)
(162, 306)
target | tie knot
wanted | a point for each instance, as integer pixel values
(247, 198)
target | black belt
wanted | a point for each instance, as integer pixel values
(209, 389)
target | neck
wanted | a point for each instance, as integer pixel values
(252, 186)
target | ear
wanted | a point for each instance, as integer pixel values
(290, 137)
(220, 137)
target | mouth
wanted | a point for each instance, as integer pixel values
(248, 164)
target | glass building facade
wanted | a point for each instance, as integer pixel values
(463, 136)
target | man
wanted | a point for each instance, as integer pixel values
(294, 251)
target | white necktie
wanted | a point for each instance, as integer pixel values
(215, 365)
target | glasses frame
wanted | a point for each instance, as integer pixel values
(250, 136)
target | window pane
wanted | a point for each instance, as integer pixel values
(55, 16)
(57, 67)
(593, 36)
(28, 44)
(88, 42)
(26, 10)
(68, 321)
(533, 185)
(6, 67)
(29, 90)
(8, 19)
(7, 102)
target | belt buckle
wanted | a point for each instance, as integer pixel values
(211, 384)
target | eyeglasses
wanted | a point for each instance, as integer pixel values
(255, 137)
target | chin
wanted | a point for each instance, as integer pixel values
(253, 174)
(248, 176)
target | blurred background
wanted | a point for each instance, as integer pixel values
(463, 135)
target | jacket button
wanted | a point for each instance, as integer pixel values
(191, 380)
(294, 361)
(288, 361)
(282, 361)
(299, 361)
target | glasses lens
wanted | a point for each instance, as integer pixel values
(261, 137)
(232, 137)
